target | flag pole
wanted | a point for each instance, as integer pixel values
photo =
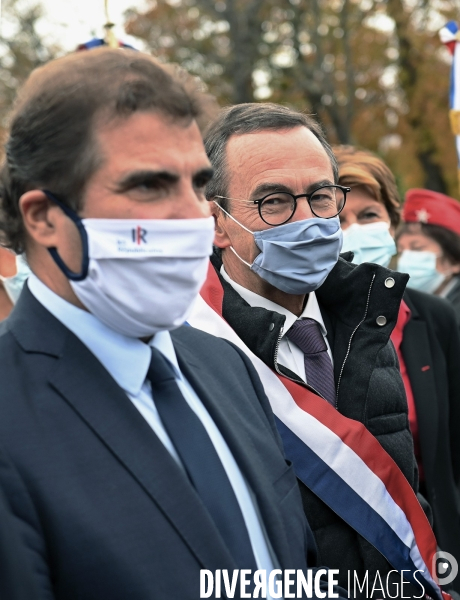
(110, 38)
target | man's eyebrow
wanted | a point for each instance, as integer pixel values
(205, 175)
(267, 188)
(314, 186)
(145, 177)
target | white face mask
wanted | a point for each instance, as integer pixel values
(421, 266)
(140, 276)
(13, 285)
(370, 243)
(295, 257)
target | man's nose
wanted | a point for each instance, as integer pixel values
(303, 210)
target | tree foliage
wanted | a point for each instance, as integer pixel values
(21, 50)
(373, 71)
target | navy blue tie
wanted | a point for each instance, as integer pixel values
(200, 459)
(307, 335)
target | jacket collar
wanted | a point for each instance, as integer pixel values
(259, 328)
(416, 348)
(348, 287)
(126, 359)
(349, 293)
(414, 314)
(34, 327)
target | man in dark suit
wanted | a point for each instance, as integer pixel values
(140, 456)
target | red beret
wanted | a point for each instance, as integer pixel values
(425, 206)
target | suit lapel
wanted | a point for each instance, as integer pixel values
(232, 426)
(83, 382)
(85, 385)
(415, 349)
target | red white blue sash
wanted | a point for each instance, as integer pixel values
(339, 460)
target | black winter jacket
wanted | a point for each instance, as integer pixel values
(431, 351)
(454, 297)
(359, 305)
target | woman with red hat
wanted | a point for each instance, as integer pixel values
(426, 340)
(429, 244)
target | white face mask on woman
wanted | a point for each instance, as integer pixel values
(421, 266)
(370, 243)
(140, 276)
(13, 285)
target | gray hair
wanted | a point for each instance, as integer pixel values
(250, 118)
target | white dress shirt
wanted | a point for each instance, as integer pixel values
(127, 361)
(289, 354)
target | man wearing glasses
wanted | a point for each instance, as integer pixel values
(312, 317)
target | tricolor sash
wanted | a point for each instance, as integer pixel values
(339, 460)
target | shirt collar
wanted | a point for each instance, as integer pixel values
(126, 359)
(311, 310)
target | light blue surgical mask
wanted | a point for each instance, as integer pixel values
(13, 285)
(370, 243)
(421, 266)
(296, 257)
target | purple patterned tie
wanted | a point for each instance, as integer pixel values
(307, 335)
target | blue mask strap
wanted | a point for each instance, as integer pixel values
(84, 242)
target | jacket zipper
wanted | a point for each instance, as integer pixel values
(351, 338)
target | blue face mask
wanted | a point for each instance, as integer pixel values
(296, 257)
(13, 285)
(370, 243)
(421, 266)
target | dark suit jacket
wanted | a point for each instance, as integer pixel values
(105, 511)
(454, 297)
(17, 580)
(431, 351)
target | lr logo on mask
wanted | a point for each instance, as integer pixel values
(445, 566)
(139, 235)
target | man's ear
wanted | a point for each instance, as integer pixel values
(221, 239)
(40, 217)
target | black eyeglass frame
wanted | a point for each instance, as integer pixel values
(344, 189)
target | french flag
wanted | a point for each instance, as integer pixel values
(450, 36)
(339, 460)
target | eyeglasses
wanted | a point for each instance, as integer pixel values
(278, 208)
